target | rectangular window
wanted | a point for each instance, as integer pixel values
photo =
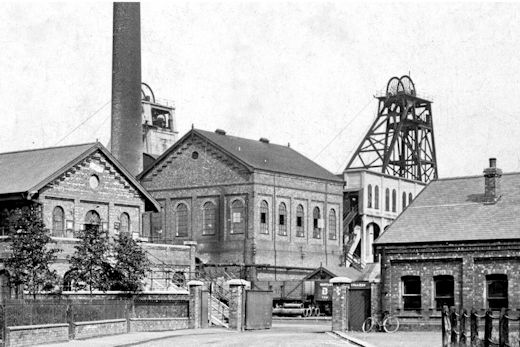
(497, 294)
(263, 218)
(444, 291)
(156, 227)
(411, 289)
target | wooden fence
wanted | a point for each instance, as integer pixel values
(462, 329)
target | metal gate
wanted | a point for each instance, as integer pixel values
(258, 309)
(359, 305)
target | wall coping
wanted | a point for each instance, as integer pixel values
(159, 319)
(105, 321)
(340, 280)
(195, 283)
(38, 326)
(238, 282)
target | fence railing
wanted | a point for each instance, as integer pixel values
(463, 329)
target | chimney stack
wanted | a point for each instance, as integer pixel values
(126, 128)
(492, 177)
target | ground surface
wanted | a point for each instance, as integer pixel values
(282, 334)
(400, 338)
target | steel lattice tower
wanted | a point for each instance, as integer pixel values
(400, 142)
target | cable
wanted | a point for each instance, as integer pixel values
(80, 124)
(343, 129)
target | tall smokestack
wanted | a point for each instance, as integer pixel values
(126, 130)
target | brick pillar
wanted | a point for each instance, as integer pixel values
(340, 304)
(236, 303)
(195, 304)
(193, 251)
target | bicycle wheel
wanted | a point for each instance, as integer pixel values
(368, 325)
(391, 324)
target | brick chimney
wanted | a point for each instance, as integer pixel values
(492, 177)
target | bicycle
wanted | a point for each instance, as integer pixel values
(389, 323)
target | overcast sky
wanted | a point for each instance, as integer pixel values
(293, 72)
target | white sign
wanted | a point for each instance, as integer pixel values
(236, 217)
(320, 223)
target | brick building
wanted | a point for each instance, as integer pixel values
(246, 202)
(456, 244)
(79, 185)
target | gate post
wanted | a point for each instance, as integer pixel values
(195, 305)
(236, 303)
(340, 303)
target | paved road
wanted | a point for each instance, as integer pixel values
(282, 334)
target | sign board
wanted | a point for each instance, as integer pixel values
(321, 224)
(322, 291)
(236, 217)
(360, 285)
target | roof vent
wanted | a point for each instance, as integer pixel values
(264, 140)
(220, 132)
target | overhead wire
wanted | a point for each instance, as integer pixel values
(83, 122)
(342, 129)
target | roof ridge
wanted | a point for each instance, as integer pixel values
(45, 148)
(245, 138)
(474, 176)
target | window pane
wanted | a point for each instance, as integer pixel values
(181, 214)
(282, 226)
(497, 293)
(387, 199)
(369, 198)
(300, 232)
(376, 198)
(411, 292)
(124, 221)
(332, 225)
(264, 218)
(237, 217)
(444, 291)
(209, 217)
(58, 223)
(316, 233)
(394, 201)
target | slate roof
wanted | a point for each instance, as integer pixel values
(453, 209)
(30, 170)
(262, 156)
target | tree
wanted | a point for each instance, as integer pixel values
(89, 264)
(130, 264)
(31, 253)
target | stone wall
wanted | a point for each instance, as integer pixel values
(158, 324)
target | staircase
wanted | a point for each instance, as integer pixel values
(218, 312)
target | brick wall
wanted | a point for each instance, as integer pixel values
(468, 263)
(158, 324)
(84, 330)
(215, 177)
(36, 334)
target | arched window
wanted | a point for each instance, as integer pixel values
(404, 200)
(264, 217)
(68, 282)
(394, 200)
(282, 220)
(124, 221)
(58, 222)
(5, 286)
(376, 197)
(238, 225)
(410, 198)
(387, 199)
(181, 220)
(369, 196)
(209, 218)
(316, 223)
(92, 220)
(332, 225)
(300, 221)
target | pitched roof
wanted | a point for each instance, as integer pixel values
(30, 170)
(262, 156)
(453, 209)
(21, 171)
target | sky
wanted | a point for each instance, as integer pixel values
(302, 72)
